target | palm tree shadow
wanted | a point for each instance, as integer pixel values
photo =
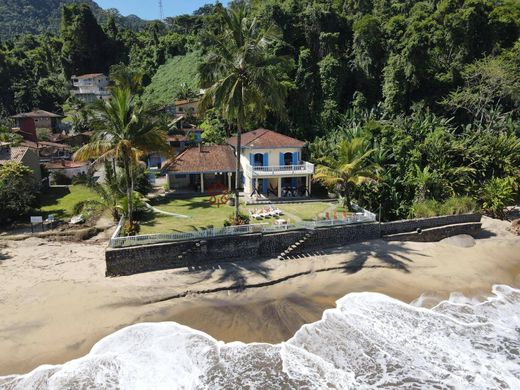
(386, 254)
(237, 273)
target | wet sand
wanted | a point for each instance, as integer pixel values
(56, 303)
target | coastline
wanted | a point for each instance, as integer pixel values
(56, 302)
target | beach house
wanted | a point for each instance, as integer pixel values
(271, 166)
(91, 87)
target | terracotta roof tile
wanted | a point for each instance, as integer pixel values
(65, 164)
(17, 154)
(37, 114)
(211, 158)
(263, 138)
(88, 76)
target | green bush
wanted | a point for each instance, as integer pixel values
(425, 209)
(452, 206)
(242, 219)
(458, 205)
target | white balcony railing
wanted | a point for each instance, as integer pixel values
(304, 168)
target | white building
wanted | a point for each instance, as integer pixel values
(270, 162)
(91, 87)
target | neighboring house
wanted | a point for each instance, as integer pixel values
(91, 87)
(48, 151)
(201, 168)
(78, 139)
(186, 107)
(23, 155)
(271, 165)
(67, 168)
(178, 142)
(28, 122)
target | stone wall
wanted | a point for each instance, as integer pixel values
(127, 261)
(437, 233)
(409, 225)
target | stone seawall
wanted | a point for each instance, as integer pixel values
(128, 261)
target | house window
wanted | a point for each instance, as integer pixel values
(180, 176)
(288, 158)
(180, 109)
(259, 160)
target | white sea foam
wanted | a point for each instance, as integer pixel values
(368, 341)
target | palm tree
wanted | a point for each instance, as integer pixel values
(348, 168)
(239, 74)
(124, 132)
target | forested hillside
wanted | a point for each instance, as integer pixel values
(37, 16)
(431, 87)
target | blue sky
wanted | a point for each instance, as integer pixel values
(149, 9)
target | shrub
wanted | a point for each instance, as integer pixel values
(425, 209)
(458, 205)
(496, 194)
(17, 191)
(131, 229)
(242, 219)
(59, 178)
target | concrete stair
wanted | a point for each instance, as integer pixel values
(291, 248)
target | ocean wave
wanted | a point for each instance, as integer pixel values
(369, 341)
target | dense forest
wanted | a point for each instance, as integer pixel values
(432, 88)
(39, 16)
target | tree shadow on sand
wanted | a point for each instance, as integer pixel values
(386, 254)
(237, 273)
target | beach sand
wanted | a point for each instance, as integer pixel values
(56, 303)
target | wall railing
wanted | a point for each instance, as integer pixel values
(304, 168)
(362, 216)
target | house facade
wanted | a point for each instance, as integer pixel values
(271, 166)
(24, 155)
(202, 168)
(28, 122)
(91, 87)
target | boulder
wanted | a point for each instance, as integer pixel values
(515, 226)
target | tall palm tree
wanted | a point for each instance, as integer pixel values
(351, 166)
(239, 74)
(124, 132)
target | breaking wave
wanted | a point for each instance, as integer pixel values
(368, 341)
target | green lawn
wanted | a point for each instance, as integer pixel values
(202, 215)
(305, 211)
(61, 200)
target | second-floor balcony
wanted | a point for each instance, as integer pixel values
(302, 168)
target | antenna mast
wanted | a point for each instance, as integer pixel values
(161, 10)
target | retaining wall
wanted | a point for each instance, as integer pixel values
(127, 261)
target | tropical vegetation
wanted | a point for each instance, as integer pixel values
(431, 87)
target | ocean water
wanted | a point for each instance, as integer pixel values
(369, 341)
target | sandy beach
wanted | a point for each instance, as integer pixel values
(56, 302)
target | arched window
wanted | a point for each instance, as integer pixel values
(288, 158)
(259, 160)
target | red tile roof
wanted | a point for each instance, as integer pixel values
(211, 158)
(263, 138)
(65, 164)
(88, 76)
(17, 154)
(43, 145)
(37, 114)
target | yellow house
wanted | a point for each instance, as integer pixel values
(272, 165)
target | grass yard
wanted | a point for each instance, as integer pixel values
(306, 211)
(202, 215)
(60, 200)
